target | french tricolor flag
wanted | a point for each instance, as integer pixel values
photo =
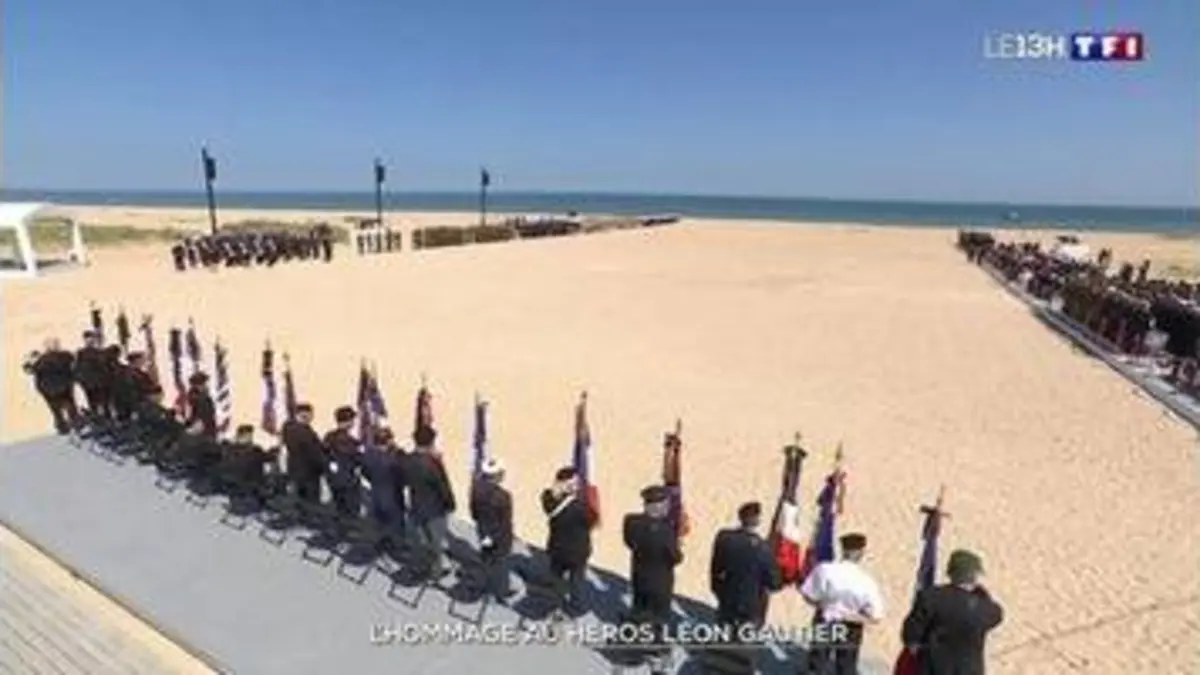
(582, 460)
(787, 536)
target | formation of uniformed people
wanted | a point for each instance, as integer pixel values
(245, 249)
(114, 386)
(409, 493)
(370, 237)
(1126, 307)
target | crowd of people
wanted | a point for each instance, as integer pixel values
(245, 249)
(408, 496)
(1135, 313)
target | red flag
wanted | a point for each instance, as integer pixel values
(786, 533)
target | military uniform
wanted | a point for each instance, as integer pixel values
(94, 372)
(742, 574)
(342, 453)
(569, 542)
(431, 495)
(492, 511)
(54, 378)
(654, 554)
(244, 464)
(383, 466)
(305, 458)
(201, 409)
(948, 625)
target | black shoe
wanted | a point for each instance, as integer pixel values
(504, 596)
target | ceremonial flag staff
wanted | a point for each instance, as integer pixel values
(380, 178)
(210, 176)
(485, 181)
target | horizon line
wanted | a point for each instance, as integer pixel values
(604, 193)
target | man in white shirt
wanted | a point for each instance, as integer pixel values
(846, 598)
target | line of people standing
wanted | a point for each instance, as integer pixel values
(114, 384)
(411, 495)
(245, 249)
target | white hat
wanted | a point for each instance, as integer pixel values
(491, 467)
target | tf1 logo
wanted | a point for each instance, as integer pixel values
(1110, 46)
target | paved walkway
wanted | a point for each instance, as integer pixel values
(53, 623)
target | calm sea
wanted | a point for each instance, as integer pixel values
(1175, 220)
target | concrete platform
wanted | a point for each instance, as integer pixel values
(1151, 383)
(243, 605)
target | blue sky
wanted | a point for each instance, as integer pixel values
(868, 99)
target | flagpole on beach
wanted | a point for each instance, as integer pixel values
(485, 180)
(210, 176)
(380, 177)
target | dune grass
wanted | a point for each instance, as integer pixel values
(340, 234)
(56, 236)
(52, 236)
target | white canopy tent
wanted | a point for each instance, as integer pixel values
(18, 216)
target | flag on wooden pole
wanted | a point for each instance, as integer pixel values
(123, 334)
(673, 480)
(97, 322)
(289, 388)
(270, 416)
(786, 534)
(931, 530)
(193, 347)
(150, 348)
(224, 387)
(423, 416)
(479, 438)
(175, 349)
(822, 547)
(581, 456)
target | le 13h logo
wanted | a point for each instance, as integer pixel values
(1111, 46)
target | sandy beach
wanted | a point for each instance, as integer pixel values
(1080, 494)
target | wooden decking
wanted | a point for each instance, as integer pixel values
(54, 623)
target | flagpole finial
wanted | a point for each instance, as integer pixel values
(938, 504)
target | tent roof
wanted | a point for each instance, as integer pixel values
(13, 214)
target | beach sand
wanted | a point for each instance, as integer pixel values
(1080, 494)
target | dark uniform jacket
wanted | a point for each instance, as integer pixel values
(950, 624)
(305, 454)
(345, 460)
(742, 573)
(202, 409)
(492, 511)
(655, 553)
(53, 373)
(428, 487)
(244, 463)
(384, 469)
(570, 540)
(92, 368)
(133, 388)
